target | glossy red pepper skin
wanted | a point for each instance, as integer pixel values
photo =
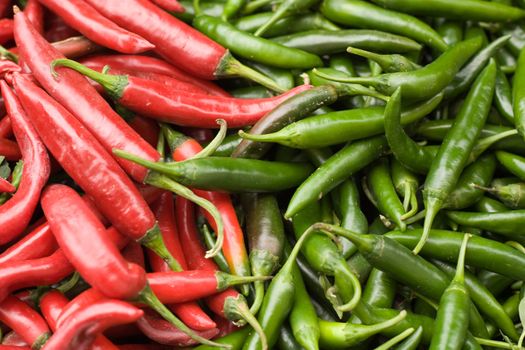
(147, 64)
(148, 129)
(57, 29)
(38, 243)
(88, 21)
(190, 312)
(86, 298)
(9, 149)
(169, 5)
(163, 332)
(75, 93)
(6, 131)
(153, 100)
(52, 305)
(17, 211)
(35, 13)
(82, 327)
(6, 186)
(176, 41)
(6, 30)
(84, 159)
(82, 238)
(24, 320)
(76, 46)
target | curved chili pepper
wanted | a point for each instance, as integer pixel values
(170, 5)
(25, 321)
(16, 213)
(182, 109)
(83, 326)
(389, 63)
(77, 95)
(111, 187)
(91, 252)
(366, 15)
(235, 340)
(176, 41)
(148, 64)
(37, 244)
(6, 186)
(469, 9)
(459, 142)
(35, 13)
(87, 20)
(163, 332)
(10, 150)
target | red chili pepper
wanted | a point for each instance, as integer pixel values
(154, 100)
(88, 21)
(200, 135)
(25, 321)
(8, 67)
(37, 244)
(57, 29)
(76, 46)
(17, 211)
(4, 7)
(35, 13)
(6, 131)
(149, 193)
(13, 347)
(52, 305)
(134, 254)
(87, 297)
(82, 327)
(170, 5)
(94, 256)
(14, 339)
(6, 30)
(6, 186)
(190, 312)
(176, 41)
(92, 168)
(147, 64)
(9, 149)
(160, 331)
(75, 93)
(148, 129)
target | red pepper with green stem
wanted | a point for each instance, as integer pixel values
(25, 321)
(234, 249)
(88, 21)
(149, 64)
(16, 213)
(154, 100)
(177, 42)
(115, 194)
(189, 312)
(95, 257)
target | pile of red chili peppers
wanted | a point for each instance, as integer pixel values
(264, 174)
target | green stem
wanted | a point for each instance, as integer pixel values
(161, 145)
(216, 142)
(253, 6)
(353, 80)
(153, 240)
(432, 208)
(69, 284)
(412, 197)
(259, 296)
(460, 268)
(516, 245)
(357, 89)
(160, 167)
(238, 308)
(356, 297)
(419, 216)
(226, 280)
(482, 145)
(149, 298)
(162, 181)
(41, 341)
(406, 196)
(277, 15)
(5, 53)
(272, 137)
(234, 67)
(397, 339)
(497, 344)
(209, 241)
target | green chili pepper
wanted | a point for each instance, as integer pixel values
(324, 256)
(452, 317)
(388, 63)
(365, 15)
(464, 195)
(282, 77)
(503, 96)
(229, 174)
(352, 158)
(248, 46)
(483, 11)
(484, 299)
(287, 340)
(251, 92)
(406, 184)
(227, 146)
(508, 223)
(513, 163)
(338, 127)
(235, 340)
(343, 63)
(210, 241)
(434, 76)
(468, 74)
(285, 7)
(453, 154)
(384, 194)
(412, 342)
(451, 32)
(483, 253)
(209, 7)
(265, 231)
(489, 205)
(518, 95)
(380, 289)
(337, 335)
(231, 7)
(286, 25)
(324, 42)
(512, 195)
(511, 307)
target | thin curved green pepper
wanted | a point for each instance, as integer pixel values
(406, 184)
(389, 63)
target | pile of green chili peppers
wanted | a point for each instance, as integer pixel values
(388, 201)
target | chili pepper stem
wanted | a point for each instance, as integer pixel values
(272, 137)
(356, 297)
(357, 89)
(231, 67)
(5, 53)
(372, 81)
(215, 143)
(407, 196)
(41, 341)
(237, 308)
(148, 297)
(259, 296)
(460, 268)
(432, 207)
(161, 146)
(412, 199)
(395, 340)
(483, 188)
(281, 10)
(69, 284)
(482, 145)
(153, 241)
(497, 344)
(162, 181)
(114, 84)
(226, 280)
